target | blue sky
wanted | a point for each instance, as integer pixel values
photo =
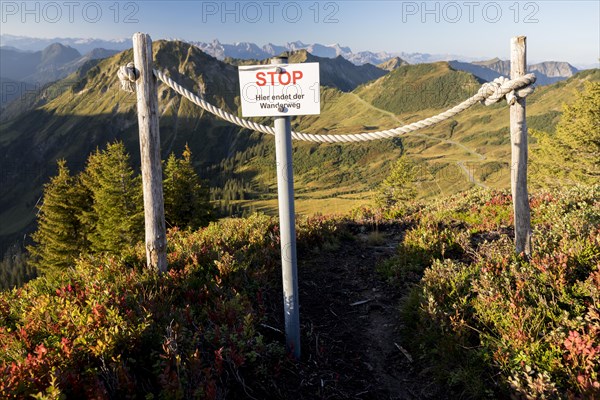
(556, 30)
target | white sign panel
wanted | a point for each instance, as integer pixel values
(280, 89)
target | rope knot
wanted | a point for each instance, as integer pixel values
(128, 74)
(502, 87)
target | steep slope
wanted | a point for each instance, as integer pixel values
(38, 94)
(339, 72)
(70, 118)
(88, 110)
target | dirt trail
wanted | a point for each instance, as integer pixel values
(469, 173)
(350, 326)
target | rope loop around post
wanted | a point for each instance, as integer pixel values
(503, 87)
(128, 74)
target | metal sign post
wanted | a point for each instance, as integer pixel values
(280, 90)
(287, 227)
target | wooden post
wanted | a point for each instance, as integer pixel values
(518, 141)
(147, 106)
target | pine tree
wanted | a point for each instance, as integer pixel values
(60, 236)
(398, 187)
(187, 201)
(572, 154)
(115, 216)
(578, 132)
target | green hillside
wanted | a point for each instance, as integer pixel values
(422, 87)
(473, 149)
(71, 118)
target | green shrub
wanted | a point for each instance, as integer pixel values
(481, 315)
(109, 328)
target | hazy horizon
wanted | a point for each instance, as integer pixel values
(460, 57)
(556, 30)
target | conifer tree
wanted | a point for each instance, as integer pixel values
(115, 216)
(572, 154)
(187, 201)
(398, 187)
(60, 237)
(578, 133)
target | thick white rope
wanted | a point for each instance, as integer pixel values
(489, 93)
(128, 74)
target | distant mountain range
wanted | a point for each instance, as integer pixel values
(552, 71)
(50, 64)
(82, 45)
(246, 50)
(24, 67)
(24, 71)
(547, 72)
(241, 50)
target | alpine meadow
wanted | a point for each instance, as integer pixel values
(408, 279)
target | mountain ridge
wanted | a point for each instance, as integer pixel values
(249, 50)
(54, 62)
(546, 72)
(335, 72)
(392, 64)
(24, 72)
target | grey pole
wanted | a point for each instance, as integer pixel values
(287, 227)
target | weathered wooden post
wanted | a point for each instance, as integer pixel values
(147, 107)
(518, 141)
